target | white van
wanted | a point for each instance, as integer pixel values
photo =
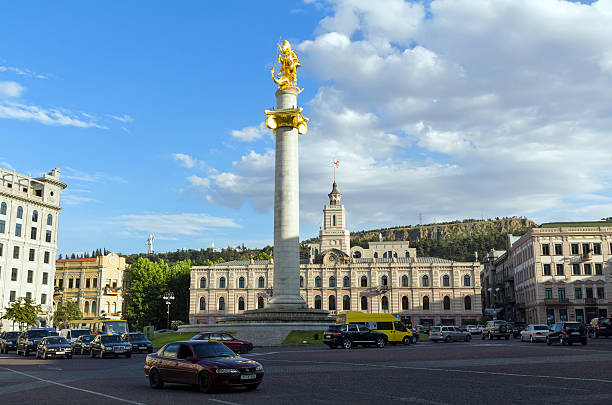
(72, 334)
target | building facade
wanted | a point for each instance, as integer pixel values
(562, 274)
(96, 284)
(385, 277)
(29, 210)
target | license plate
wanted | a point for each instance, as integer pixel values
(143, 347)
(575, 333)
(60, 352)
(119, 349)
(248, 377)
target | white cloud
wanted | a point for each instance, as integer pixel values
(126, 119)
(10, 89)
(188, 161)
(200, 182)
(95, 177)
(175, 224)
(249, 134)
(51, 116)
(22, 72)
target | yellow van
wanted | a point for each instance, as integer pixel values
(385, 323)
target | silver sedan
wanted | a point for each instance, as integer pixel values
(534, 333)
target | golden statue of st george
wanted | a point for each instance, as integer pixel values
(288, 59)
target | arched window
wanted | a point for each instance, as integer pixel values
(332, 281)
(346, 303)
(221, 304)
(20, 212)
(331, 302)
(202, 304)
(466, 281)
(318, 302)
(94, 307)
(34, 216)
(222, 282)
(445, 281)
(114, 307)
(384, 280)
(364, 281)
(261, 282)
(203, 282)
(404, 303)
(376, 255)
(426, 303)
(356, 254)
(446, 303)
(404, 281)
(384, 302)
(467, 302)
(3, 208)
(333, 220)
(385, 255)
(425, 282)
(346, 281)
(240, 304)
(318, 281)
(241, 282)
(407, 253)
(301, 282)
(86, 310)
(364, 303)
(260, 303)
(49, 219)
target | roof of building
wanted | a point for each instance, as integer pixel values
(576, 224)
(85, 259)
(241, 263)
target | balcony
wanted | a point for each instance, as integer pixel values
(585, 257)
(590, 301)
(556, 301)
(112, 290)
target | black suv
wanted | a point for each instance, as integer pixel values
(8, 341)
(81, 345)
(351, 335)
(567, 333)
(517, 328)
(109, 345)
(601, 327)
(28, 341)
(496, 329)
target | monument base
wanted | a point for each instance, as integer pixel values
(275, 314)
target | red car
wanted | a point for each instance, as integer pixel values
(237, 345)
(207, 364)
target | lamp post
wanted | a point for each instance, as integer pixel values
(168, 297)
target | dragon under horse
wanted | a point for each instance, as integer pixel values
(288, 59)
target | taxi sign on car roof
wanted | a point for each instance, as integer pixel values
(212, 340)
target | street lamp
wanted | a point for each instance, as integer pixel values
(168, 297)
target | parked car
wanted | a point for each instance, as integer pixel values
(8, 341)
(601, 327)
(388, 324)
(54, 346)
(517, 328)
(82, 344)
(534, 333)
(567, 333)
(28, 341)
(422, 329)
(496, 329)
(448, 334)
(237, 345)
(109, 345)
(139, 342)
(208, 364)
(351, 335)
(474, 329)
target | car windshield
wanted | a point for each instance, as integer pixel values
(572, 326)
(75, 333)
(435, 328)
(333, 328)
(137, 336)
(540, 327)
(111, 339)
(88, 338)
(56, 340)
(12, 335)
(207, 350)
(37, 333)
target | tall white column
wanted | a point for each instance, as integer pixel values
(286, 293)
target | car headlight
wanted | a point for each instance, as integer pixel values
(259, 368)
(30, 343)
(227, 371)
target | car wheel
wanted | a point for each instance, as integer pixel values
(155, 380)
(252, 387)
(569, 343)
(562, 341)
(548, 342)
(127, 356)
(332, 346)
(244, 349)
(346, 343)
(205, 382)
(508, 337)
(69, 356)
(584, 342)
(468, 338)
(447, 339)
(406, 340)
(380, 342)
(482, 337)
(26, 353)
(44, 356)
(596, 335)
(531, 339)
(92, 354)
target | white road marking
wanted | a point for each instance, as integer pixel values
(73, 388)
(447, 370)
(223, 402)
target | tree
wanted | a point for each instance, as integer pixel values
(23, 312)
(178, 283)
(262, 256)
(148, 282)
(65, 312)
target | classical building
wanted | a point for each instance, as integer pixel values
(29, 209)
(385, 277)
(96, 284)
(562, 273)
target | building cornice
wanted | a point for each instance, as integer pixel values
(30, 200)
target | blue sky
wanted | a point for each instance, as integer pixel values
(153, 112)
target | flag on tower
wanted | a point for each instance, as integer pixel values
(336, 163)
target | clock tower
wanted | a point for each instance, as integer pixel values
(334, 234)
